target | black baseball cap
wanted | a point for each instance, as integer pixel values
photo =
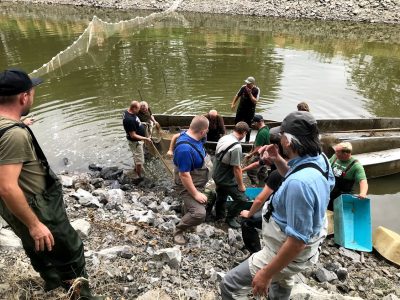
(257, 118)
(299, 123)
(15, 81)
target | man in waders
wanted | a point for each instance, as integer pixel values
(347, 171)
(294, 222)
(248, 95)
(227, 175)
(31, 199)
(191, 176)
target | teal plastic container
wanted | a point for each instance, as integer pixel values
(251, 194)
(352, 223)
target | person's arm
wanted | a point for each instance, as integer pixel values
(258, 202)
(233, 104)
(251, 166)
(172, 144)
(136, 136)
(253, 152)
(15, 200)
(237, 172)
(187, 182)
(222, 130)
(271, 153)
(252, 98)
(363, 189)
(290, 249)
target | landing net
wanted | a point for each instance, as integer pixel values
(98, 33)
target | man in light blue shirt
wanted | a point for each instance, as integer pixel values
(294, 222)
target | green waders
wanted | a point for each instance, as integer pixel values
(66, 260)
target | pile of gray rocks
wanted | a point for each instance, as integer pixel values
(382, 11)
(127, 226)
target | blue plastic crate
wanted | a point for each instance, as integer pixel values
(251, 194)
(352, 224)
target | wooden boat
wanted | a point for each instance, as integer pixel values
(387, 243)
(375, 141)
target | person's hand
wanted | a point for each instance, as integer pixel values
(170, 153)
(245, 214)
(361, 196)
(233, 106)
(261, 283)
(28, 121)
(200, 197)
(270, 153)
(242, 188)
(42, 237)
(147, 139)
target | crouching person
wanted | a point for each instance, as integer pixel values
(191, 176)
(294, 223)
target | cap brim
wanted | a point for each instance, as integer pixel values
(248, 82)
(36, 81)
(275, 130)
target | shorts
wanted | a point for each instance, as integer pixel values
(137, 152)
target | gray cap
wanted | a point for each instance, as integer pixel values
(250, 80)
(299, 123)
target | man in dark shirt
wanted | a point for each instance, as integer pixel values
(248, 95)
(135, 135)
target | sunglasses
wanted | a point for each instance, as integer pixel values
(345, 151)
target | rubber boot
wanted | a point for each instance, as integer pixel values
(80, 290)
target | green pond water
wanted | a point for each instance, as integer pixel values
(191, 63)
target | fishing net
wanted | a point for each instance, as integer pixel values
(99, 35)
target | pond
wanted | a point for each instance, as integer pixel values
(191, 63)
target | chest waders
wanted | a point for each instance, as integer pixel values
(199, 176)
(342, 185)
(66, 260)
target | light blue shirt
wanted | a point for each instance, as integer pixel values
(301, 201)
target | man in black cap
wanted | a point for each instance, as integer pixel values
(259, 174)
(248, 95)
(31, 199)
(293, 220)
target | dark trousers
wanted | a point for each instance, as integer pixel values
(238, 204)
(250, 234)
(66, 260)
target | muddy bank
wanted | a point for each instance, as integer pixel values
(377, 11)
(127, 228)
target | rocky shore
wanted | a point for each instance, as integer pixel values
(127, 229)
(376, 11)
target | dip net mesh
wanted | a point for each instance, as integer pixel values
(99, 35)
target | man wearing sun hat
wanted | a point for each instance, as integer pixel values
(248, 95)
(294, 222)
(31, 199)
(347, 171)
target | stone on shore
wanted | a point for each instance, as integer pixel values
(9, 240)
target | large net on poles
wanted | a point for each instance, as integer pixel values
(99, 33)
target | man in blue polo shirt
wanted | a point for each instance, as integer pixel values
(294, 222)
(191, 175)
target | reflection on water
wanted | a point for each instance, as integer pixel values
(191, 64)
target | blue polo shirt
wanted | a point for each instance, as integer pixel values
(186, 158)
(301, 201)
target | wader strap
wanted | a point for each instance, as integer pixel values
(194, 147)
(39, 152)
(4, 130)
(348, 167)
(270, 207)
(221, 155)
